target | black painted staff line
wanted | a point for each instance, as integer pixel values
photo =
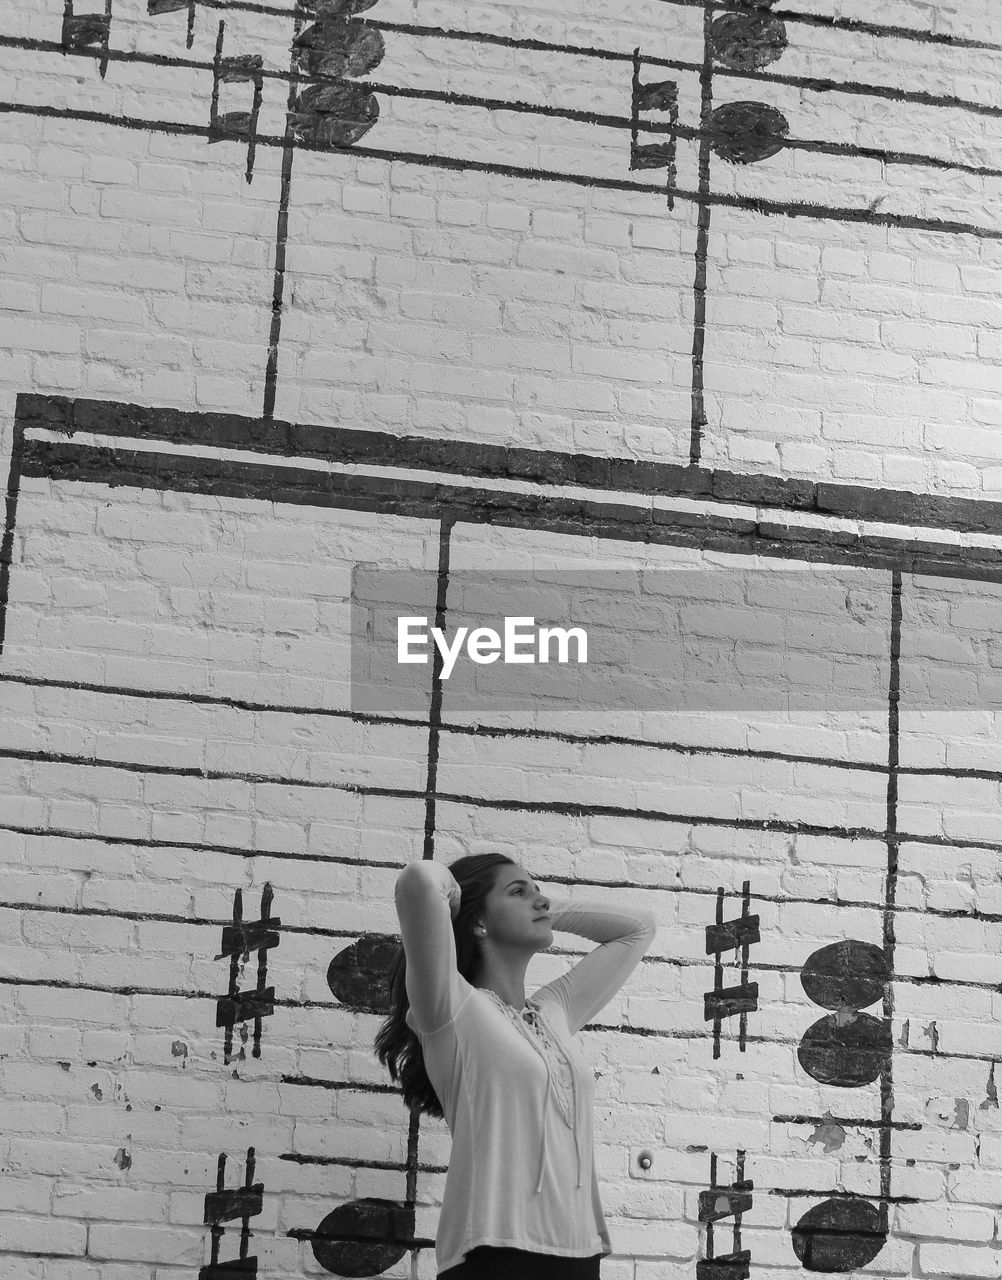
(674, 962)
(504, 731)
(842, 150)
(281, 235)
(815, 84)
(296, 78)
(39, 1253)
(308, 1234)
(246, 6)
(191, 846)
(83, 417)
(457, 164)
(338, 1086)
(667, 960)
(581, 517)
(188, 771)
(698, 410)
(393, 1166)
(478, 730)
(890, 888)
(301, 1233)
(853, 25)
(516, 42)
(62, 984)
(652, 1033)
(884, 1201)
(852, 1122)
(558, 807)
(475, 730)
(7, 545)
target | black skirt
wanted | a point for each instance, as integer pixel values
(488, 1262)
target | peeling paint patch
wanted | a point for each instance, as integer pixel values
(991, 1094)
(830, 1133)
(96, 1091)
(123, 1159)
(179, 1049)
(962, 1114)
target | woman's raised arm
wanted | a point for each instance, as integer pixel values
(427, 898)
(625, 934)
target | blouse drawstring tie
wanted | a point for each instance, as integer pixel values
(542, 1145)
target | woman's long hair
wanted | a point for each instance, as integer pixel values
(397, 1047)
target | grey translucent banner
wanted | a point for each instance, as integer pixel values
(754, 642)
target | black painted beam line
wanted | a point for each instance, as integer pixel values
(487, 461)
(431, 500)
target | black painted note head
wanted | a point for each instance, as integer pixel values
(747, 132)
(335, 114)
(747, 41)
(840, 1235)
(364, 1237)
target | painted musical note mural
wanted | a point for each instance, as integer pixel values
(706, 295)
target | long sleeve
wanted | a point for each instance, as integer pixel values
(625, 934)
(427, 897)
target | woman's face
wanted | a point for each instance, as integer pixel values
(515, 912)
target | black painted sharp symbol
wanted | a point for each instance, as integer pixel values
(81, 30)
(236, 124)
(728, 1002)
(239, 940)
(223, 1206)
(729, 1201)
(659, 96)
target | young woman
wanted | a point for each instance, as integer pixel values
(521, 1197)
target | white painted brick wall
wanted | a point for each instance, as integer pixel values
(168, 654)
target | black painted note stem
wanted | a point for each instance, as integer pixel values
(282, 232)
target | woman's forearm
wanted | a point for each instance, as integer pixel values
(600, 922)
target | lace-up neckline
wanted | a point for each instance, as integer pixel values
(533, 1024)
